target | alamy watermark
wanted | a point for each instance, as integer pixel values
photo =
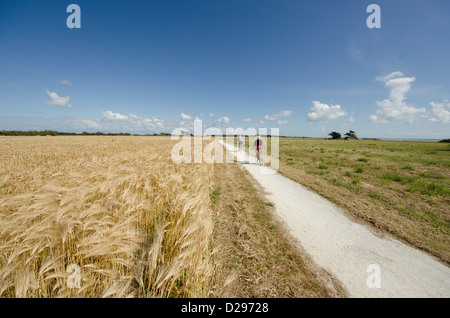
(373, 20)
(74, 279)
(74, 19)
(374, 279)
(191, 148)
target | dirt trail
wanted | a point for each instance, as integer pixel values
(348, 249)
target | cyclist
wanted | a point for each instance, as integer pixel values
(258, 145)
(240, 141)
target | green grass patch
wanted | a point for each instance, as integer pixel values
(435, 188)
(398, 178)
(215, 195)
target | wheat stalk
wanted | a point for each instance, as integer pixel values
(134, 222)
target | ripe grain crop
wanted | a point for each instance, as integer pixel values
(117, 208)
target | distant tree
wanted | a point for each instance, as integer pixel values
(445, 140)
(335, 135)
(351, 135)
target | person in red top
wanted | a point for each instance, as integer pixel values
(258, 145)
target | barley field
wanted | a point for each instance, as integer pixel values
(102, 217)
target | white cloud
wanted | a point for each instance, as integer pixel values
(211, 115)
(56, 100)
(271, 117)
(323, 113)
(9, 85)
(131, 122)
(66, 82)
(112, 116)
(246, 120)
(223, 120)
(185, 117)
(282, 122)
(390, 76)
(395, 107)
(116, 122)
(283, 113)
(441, 111)
(376, 119)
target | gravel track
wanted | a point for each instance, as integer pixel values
(354, 254)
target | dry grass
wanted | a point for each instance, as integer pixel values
(254, 256)
(398, 188)
(136, 224)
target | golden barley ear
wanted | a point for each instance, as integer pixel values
(134, 222)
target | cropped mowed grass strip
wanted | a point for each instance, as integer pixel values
(400, 188)
(254, 255)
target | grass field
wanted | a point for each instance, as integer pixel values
(400, 187)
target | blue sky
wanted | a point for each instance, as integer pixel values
(305, 67)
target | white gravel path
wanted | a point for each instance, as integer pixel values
(348, 250)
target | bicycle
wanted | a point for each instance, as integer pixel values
(259, 157)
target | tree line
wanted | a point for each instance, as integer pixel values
(59, 133)
(352, 135)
